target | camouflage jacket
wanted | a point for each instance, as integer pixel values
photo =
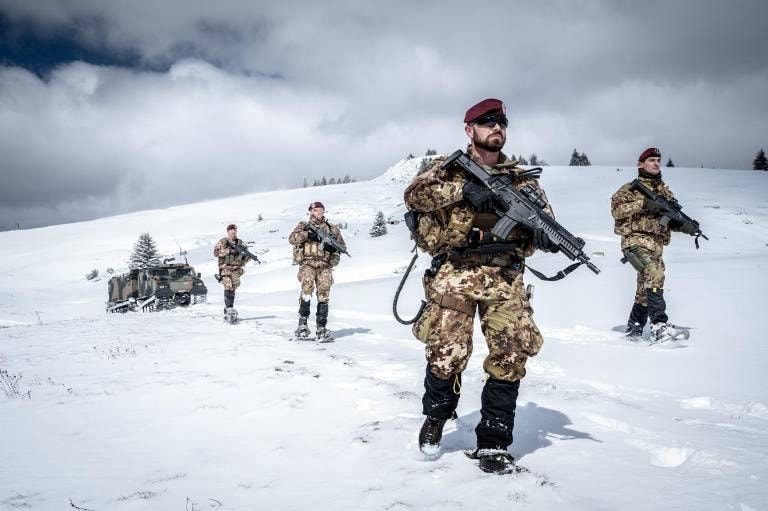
(635, 225)
(228, 258)
(439, 192)
(309, 252)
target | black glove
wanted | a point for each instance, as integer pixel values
(480, 197)
(330, 249)
(654, 207)
(312, 236)
(541, 241)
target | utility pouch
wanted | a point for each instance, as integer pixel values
(635, 257)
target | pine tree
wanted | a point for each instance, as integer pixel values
(259, 218)
(760, 162)
(323, 182)
(584, 160)
(410, 156)
(347, 179)
(575, 159)
(670, 163)
(144, 253)
(316, 183)
(430, 152)
(305, 183)
(379, 227)
(534, 159)
(424, 165)
(332, 181)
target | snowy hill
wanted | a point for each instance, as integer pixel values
(176, 410)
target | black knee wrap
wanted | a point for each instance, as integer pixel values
(498, 403)
(303, 308)
(229, 298)
(657, 307)
(322, 314)
(639, 314)
(441, 397)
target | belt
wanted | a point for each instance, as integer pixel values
(497, 254)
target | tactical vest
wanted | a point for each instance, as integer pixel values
(310, 251)
(439, 231)
(645, 222)
(232, 258)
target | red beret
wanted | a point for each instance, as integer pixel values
(231, 226)
(317, 204)
(485, 106)
(651, 151)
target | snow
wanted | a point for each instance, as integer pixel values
(177, 410)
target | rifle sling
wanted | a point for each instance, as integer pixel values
(559, 275)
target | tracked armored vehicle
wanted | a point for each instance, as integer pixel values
(160, 287)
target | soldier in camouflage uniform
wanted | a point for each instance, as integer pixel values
(643, 238)
(316, 262)
(478, 274)
(231, 267)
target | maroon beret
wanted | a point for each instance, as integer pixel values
(651, 151)
(485, 106)
(316, 204)
(231, 226)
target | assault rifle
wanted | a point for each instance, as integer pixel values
(670, 211)
(242, 251)
(523, 207)
(326, 238)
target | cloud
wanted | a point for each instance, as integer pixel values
(250, 95)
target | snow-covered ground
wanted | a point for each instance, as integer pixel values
(177, 410)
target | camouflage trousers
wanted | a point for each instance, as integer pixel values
(311, 278)
(650, 270)
(230, 278)
(454, 294)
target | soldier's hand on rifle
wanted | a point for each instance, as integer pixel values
(330, 249)
(312, 236)
(654, 207)
(691, 228)
(480, 197)
(542, 242)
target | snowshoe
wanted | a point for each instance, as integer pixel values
(664, 332)
(323, 335)
(495, 461)
(230, 315)
(430, 435)
(302, 332)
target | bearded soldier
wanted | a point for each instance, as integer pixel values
(231, 268)
(475, 272)
(316, 260)
(643, 237)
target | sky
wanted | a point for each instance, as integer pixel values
(110, 107)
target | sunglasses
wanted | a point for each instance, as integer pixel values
(491, 120)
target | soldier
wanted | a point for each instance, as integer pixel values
(472, 272)
(231, 268)
(316, 261)
(643, 237)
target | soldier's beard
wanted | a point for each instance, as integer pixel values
(489, 145)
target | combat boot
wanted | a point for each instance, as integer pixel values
(637, 319)
(322, 334)
(302, 331)
(496, 461)
(634, 331)
(430, 435)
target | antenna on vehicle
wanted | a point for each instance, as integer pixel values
(182, 252)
